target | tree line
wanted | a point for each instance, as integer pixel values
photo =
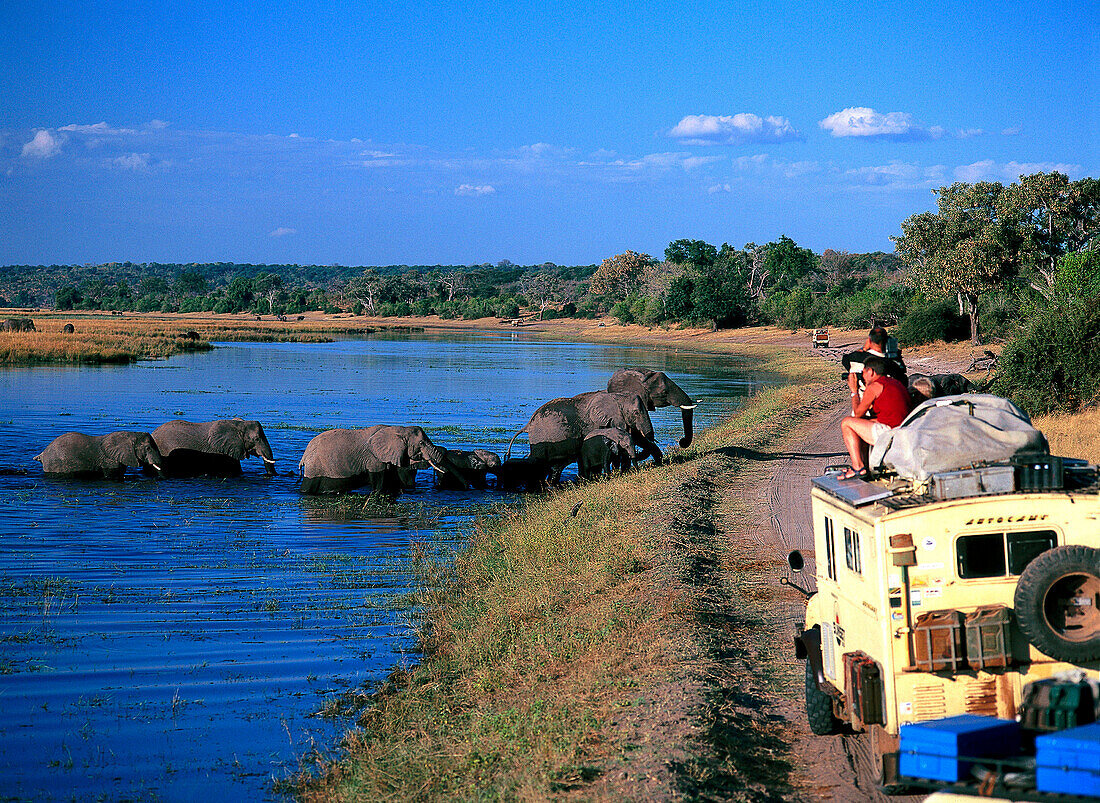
(1018, 263)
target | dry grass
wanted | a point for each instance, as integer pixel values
(1076, 435)
(104, 338)
(557, 618)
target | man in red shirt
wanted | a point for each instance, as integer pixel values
(886, 400)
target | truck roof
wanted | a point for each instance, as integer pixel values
(1055, 475)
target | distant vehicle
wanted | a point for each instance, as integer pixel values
(974, 591)
(820, 338)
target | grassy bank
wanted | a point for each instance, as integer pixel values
(560, 635)
(105, 338)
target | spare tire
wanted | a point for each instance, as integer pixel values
(1058, 603)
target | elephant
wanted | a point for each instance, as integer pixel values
(17, 325)
(923, 386)
(522, 474)
(603, 450)
(340, 460)
(656, 390)
(475, 465)
(557, 430)
(214, 448)
(68, 329)
(77, 455)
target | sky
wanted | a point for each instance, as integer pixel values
(378, 133)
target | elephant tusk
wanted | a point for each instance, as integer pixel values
(158, 468)
(269, 462)
(440, 469)
(689, 406)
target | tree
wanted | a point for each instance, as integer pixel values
(541, 288)
(67, 297)
(268, 286)
(787, 264)
(1054, 216)
(364, 288)
(191, 283)
(619, 276)
(695, 253)
(965, 250)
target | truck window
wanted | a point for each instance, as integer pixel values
(851, 551)
(830, 549)
(1000, 554)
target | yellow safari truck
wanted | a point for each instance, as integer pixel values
(947, 596)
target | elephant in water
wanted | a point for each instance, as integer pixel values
(474, 465)
(557, 430)
(656, 390)
(340, 460)
(603, 450)
(77, 455)
(214, 447)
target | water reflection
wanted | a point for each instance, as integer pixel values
(171, 639)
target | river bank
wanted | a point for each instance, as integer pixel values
(629, 640)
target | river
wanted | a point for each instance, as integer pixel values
(172, 640)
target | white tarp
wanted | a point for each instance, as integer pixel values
(955, 432)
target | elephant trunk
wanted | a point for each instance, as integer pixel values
(262, 450)
(441, 461)
(687, 412)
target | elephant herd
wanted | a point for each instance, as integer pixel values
(599, 430)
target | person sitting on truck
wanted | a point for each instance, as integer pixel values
(878, 344)
(886, 400)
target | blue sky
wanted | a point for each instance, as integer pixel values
(424, 133)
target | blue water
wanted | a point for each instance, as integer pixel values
(171, 639)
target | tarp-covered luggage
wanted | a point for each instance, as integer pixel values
(955, 432)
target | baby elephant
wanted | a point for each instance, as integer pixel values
(603, 450)
(474, 466)
(76, 455)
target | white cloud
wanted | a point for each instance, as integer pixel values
(989, 170)
(896, 176)
(471, 190)
(283, 231)
(706, 129)
(1013, 170)
(698, 161)
(43, 146)
(717, 188)
(859, 121)
(132, 161)
(101, 129)
(978, 171)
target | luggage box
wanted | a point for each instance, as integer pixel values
(1069, 761)
(938, 749)
(973, 482)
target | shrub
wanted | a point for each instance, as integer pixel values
(422, 307)
(623, 312)
(929, 321)
(1053, 364)
(508, 309)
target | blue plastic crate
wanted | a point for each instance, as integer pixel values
(935, 749)
(1069, 761)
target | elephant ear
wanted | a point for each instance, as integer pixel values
(227, 437)
(120, 446)
(391, 445)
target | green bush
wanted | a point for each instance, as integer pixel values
(1053, 364)
(929, 321)
(422, 307)
(508, 309)
(623, 312)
